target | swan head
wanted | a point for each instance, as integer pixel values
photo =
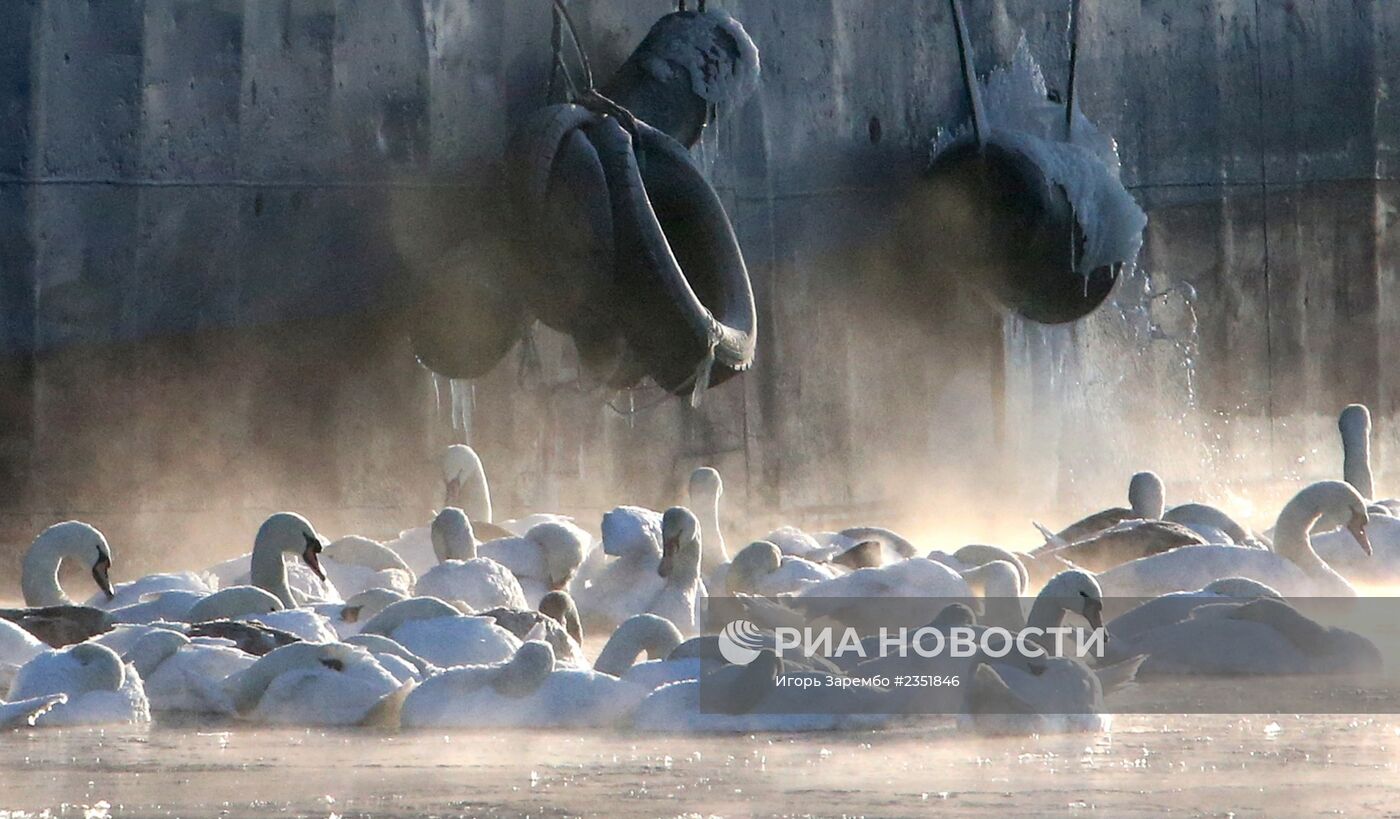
(523, 673)
(705, 484)
(1079, 592)
(564, 545)
(1337, 500)
(1147, 495)
(754, 561)
(559, 606)
(680, 540)
(290, 533)
(452, 535)
(69, 539)
(232, 603)
(1354, 422)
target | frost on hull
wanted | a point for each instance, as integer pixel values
(1038, 214)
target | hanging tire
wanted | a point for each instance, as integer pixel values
(1011, 228)
(682, 290)
(466, 313)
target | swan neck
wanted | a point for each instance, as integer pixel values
(1291, 538)
(1356, 461)
(651, 634)
(476, 495)
(1046, 612)
(39, 577)
(713, 554)
(269, 573)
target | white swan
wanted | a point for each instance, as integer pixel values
(144, 589)
(524, 691)
(544, 560)
(682, 598)
(1354, 424)
(627, 580)
(353, 564)
(17, 646)
(284, 533)
(307, 684)
(479, 582)
(442, 635)
(232, 603)
(648, 634)
(1146, 498)
(1175, 607)
(1057, 695)
(99, 688)
(1265, 636)
(464, 481)
(70, 539)
(1293, 568)
(706, 488)
(177, 672)
(762, 568)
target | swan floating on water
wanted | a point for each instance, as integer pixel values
(98, 689)
(1293, 568)
(442, 634)
(682, 597)
(479, 582)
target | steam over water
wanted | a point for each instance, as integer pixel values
(1218, 766)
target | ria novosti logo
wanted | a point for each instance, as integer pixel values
(740, 642)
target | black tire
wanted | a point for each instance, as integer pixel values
(682, 289)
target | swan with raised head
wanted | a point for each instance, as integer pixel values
(1293, 568)
(705, 489)
(682, 598)
(98, 688)
(441, 634)
(284, 533)
(464, 483)
(1354, 424)
(1146, 499)
(479, 582)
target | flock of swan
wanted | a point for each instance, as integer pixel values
(469, 623)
